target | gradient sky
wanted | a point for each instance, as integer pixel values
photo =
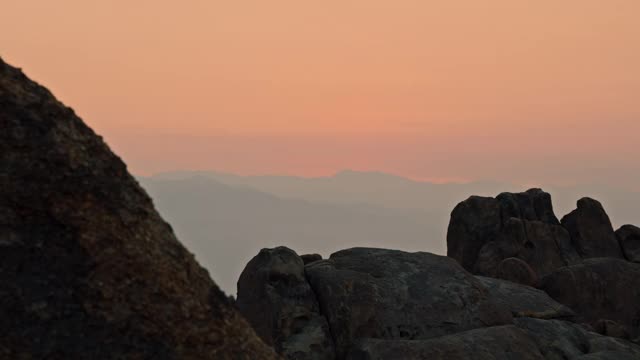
(513, 90)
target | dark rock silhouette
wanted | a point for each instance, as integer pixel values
(274, 295)
(525, 301)
(558, 340)
(482, 344)
(579, 262)
(591, 231)
(88, 268)
(600, 289)
(309, 258)
(485, 231)
(376, 293)
(629, 239)
(517, 271)
(542, 299)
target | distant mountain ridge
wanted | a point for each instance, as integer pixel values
(325, 214)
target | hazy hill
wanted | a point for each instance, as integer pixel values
(226, 225)
(225, 219)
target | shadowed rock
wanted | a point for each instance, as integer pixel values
(309, 258)
(498, 342)
(629, 239)
(485, 231)
(561, 340)
(600, 288)
(387, 294)
(524, 301)
(591, 231)
(88, 268)
(517, 271)
(275, 297)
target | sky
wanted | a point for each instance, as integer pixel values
(458, 90)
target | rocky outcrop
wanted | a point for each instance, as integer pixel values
(591, 231)
(88, 268)
(578, 262)
(483, 232)
(387, 304)
(543, 299)
(629, 239)
(600, 289)
(274, 295)
(387, 294)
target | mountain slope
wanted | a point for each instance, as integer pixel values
(87, 266)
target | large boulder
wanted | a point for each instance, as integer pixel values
(560, 340)
(88, 268)
(599, 289)
(629, 239)
(474, 222)
(485, 231)
(498, 342)
(387, 294)
(543, 247)
(591, 231)
(525, 301)
(274, 295)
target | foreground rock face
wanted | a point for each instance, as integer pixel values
(600, 289)
(88, 268)
(498, 342)
(386, 294)
(538, 291)
(525, 301)
(559, 340)
(274, 295)
(386, 304)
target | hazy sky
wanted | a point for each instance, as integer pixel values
(527, 91)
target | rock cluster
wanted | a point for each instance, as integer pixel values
(579, 261)
(88, 269)
(518, 284)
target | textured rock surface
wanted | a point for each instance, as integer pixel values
(600, 288)
(629, 239)
(88, 268)
(485, 231)
(386, 294)
(275, 297)
(524, 301)
(309, 258)
(474, 222)
(591, 231)
(517, 271)
(498, 342)
(578, 262)
(560, 340)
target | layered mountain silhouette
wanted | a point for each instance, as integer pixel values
(88, 269)
(322, 215)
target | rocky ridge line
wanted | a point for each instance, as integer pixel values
(519, 284)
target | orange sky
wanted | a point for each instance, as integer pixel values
(496, 89)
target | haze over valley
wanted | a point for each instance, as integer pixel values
(225, 219)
